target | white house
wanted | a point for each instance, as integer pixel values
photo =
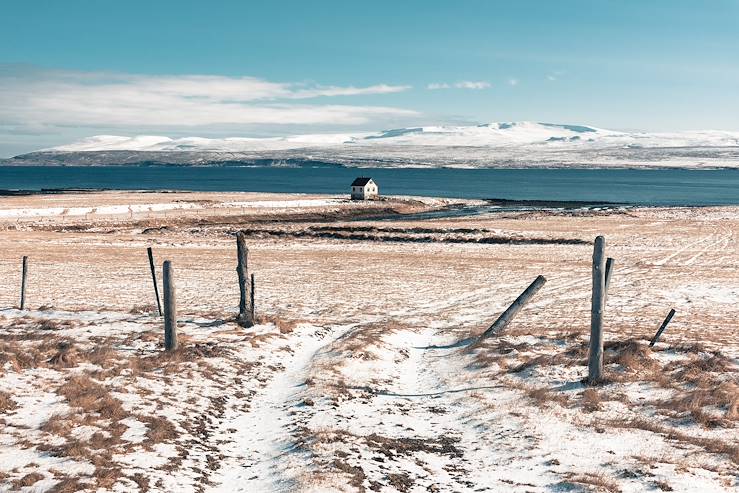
(363, 188)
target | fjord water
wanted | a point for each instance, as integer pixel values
(632, 186)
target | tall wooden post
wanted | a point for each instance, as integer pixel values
(595, 364)
(170, 307)
(252, 295)
(154, 279)
(246, 318)
(24, 275)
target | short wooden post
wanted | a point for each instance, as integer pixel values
(242, 268)
(662, 327)
(154, 279)
(595, 363)
(24, 275)
(252, 293)
(515, 307)
(170, 307)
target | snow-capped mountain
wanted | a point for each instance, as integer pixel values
(514, 144)
(486, 135)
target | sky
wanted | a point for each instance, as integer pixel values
(78, 68)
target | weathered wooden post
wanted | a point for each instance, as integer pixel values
(595, 363)
(662, 327)
(515, 307)
(154, 279)
(246, 318)
(170, 307)
(252, 293)
(24, 275)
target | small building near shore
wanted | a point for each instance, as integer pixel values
(363, 188)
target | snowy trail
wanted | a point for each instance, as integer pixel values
(259, 452)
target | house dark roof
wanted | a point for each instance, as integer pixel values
(361, 181)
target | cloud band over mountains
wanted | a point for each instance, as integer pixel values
(37, 98)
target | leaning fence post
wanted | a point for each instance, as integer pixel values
(170, 307)
(154, 279)
(595, 363)
(662, 327)
(24, 275)
(246, 318)
(514, 308)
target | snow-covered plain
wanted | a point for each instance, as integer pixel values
(352, 380)
(513, 144)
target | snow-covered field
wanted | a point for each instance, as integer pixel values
(354, 378)
(513, 144)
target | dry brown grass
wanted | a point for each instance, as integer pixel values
(69, 485)
(28, 480)
(596, 482)
(6, 402)
(363, 342)
(591, 400)
(24, 352)
(700, 366)
(159, 429)
(712, 445)
(631, 354)
(284, 324)
(91, 397)
(144, 309)
(50, 324)
(540, 395)
(708, 406)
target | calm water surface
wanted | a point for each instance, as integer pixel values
(642, 187)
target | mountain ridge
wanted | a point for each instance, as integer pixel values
(498, 144)
(487, 134)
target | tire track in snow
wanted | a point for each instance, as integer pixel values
(260, 453)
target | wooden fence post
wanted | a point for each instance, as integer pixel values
(595, 363)
(514, 308)
(662, 327)
(170, 307)
(246, 318)
(154, 279)
(24, 275)
(252, 295)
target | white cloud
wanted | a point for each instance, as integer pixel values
(472, 85)
(31, 97)
(512, 82)
(465, 84)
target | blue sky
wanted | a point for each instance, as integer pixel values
(76, 68)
